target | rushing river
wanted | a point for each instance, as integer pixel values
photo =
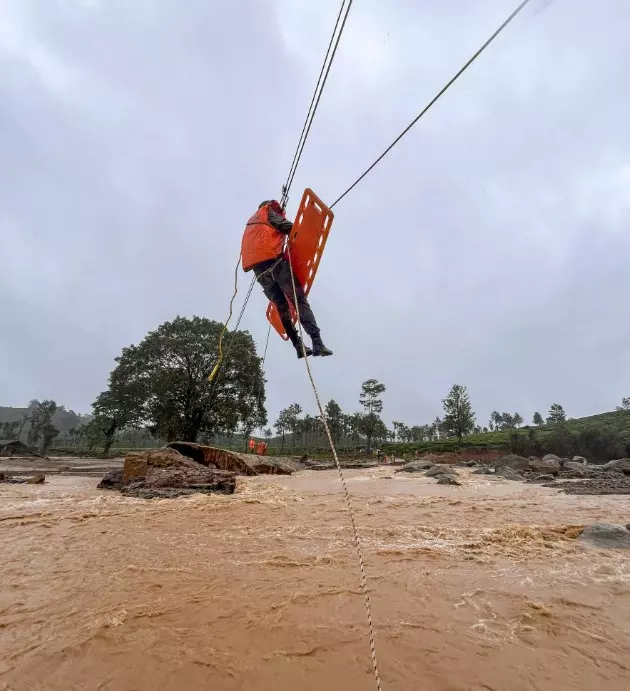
(477, 587)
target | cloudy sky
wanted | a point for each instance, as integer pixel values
(490, 248)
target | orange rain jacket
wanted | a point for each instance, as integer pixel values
(264, 235)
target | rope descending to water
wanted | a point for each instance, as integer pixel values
(355, 532)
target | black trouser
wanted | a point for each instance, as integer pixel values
(275, 278)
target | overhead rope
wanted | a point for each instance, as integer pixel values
(321, 81)
(215, 371)
(355, 532)
(223, 356)
(426, 108)
(266, 346)
(317, 93)
(319, 87)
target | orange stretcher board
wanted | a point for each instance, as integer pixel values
(306, 241)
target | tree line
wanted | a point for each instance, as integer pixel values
(40, 430)
(159, 390)
(458, 421)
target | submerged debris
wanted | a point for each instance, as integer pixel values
(38, 479)
(448, 480)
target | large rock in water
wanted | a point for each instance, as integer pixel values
(166, 473)
(574, 465)
(508, 473)
(240, 463)
(513, 461)
(483, 470)
(441, 469)
(606, 535)
(113, 480)
(549, 464)
(415, 467)
(448, 480)
(622, 464)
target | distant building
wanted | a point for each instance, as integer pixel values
(12, 447)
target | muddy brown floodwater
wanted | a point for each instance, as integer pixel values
(477, 587)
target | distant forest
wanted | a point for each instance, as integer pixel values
(159, 391)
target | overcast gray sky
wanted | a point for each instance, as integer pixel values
(490, 248)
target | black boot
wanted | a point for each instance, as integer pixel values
(300, 348)
(319, 349)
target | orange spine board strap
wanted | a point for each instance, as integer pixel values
(306, 241)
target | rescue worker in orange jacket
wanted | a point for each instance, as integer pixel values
(262, 251)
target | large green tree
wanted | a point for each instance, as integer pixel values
(373, 427)
(459, 419)
(556, 415)
(41, 423)
(163, 382)
(370, 396)
(334, 418)
(293, 413)
(123, 404)
(283, 425)
(370, 424)
(9, 429)
(625, 404)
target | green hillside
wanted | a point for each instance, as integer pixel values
(64, 420)
(600, 437)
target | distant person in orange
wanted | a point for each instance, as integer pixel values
(261, 448)
(252, 445)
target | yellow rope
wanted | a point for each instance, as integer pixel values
(215, 371)
(357, 543)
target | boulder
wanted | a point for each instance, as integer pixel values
(166, 473)
(240, 463)
(113, 480)
(135, 467)
(508, 473)
(415, 467)
(37, 479)
(606, 483)
(541, 479)
(484, 470)
(606, 535)
(577, 459)
(574, 474)
(621, 464)
(448, 480)
(549, 464)
(436, 470)
(574, 465)
(513, 461)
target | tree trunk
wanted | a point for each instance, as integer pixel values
(108, 445)
(190, 434)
